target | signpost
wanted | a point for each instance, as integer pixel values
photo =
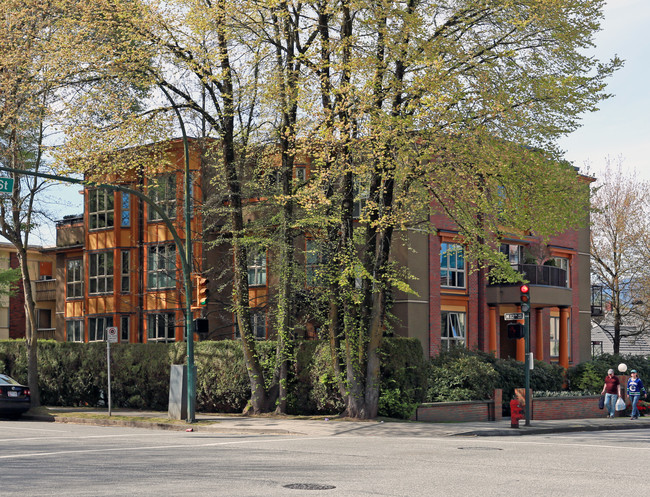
(6, 185)
(111, 337)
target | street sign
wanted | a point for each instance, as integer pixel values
(513, 316)
(6, 185)
(111, 334)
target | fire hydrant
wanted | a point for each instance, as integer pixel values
(516, 413)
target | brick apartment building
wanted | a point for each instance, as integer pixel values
(116, 266)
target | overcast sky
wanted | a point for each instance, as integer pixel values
(621, 128)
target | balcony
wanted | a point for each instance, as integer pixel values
(548, 287)
(45, 290)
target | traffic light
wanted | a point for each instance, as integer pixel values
(515, 330)
(524, 298)
(201, 291)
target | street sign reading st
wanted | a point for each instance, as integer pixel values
(513, 316)
(6, 185)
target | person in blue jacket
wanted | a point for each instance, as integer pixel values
(634, 390)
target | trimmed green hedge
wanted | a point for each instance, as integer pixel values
(73, 374)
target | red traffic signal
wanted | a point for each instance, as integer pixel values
(524, 297)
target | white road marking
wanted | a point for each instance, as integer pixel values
(153, 447)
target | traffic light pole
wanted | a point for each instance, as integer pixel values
(527, 365)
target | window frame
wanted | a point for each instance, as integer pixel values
(101, 209)
(162, 192)
(257, 268)
(125, 271)
(77, 333)
(452, 276)
(154, 320)
(448, 342)
(74, 278)
(95, 278)
(161, 276)
(94, 327)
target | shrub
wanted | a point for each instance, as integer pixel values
(460, 375)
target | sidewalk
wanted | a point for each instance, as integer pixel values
(324, 426)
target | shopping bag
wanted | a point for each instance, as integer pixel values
(601, 402)
(620, 404)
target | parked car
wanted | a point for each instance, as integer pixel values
(14, 397)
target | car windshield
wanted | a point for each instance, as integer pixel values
(6, 380)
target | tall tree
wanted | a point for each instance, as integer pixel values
(619, 238)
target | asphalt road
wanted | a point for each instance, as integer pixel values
(46, 459)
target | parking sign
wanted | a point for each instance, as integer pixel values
(111, 334)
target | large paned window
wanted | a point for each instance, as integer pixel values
(161, 327)
(100, 209)
(452, 265)
(125, 271)
(97, 328)
(74, 330)
(74, 279)
(452, 330)
(161, 267)
(100, 277)
(257, 268)
(163, 194)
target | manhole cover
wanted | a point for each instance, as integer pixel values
(309, 486)
(479, 448)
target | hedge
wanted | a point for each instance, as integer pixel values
(74, 374)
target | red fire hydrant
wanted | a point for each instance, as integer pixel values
(516, 413)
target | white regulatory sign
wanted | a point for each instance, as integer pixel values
(513, 316)
(111, 334)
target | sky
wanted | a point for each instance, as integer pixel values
(621, 128)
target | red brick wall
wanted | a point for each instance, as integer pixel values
(566, 408)
(446, 412)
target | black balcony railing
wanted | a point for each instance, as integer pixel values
(541, 275)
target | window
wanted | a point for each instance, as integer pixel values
(100, 209)
(126, 210)
(555, 336)
(563, 263)
(301, 174)
(124, 328)
(361, 194)
(44, 319)
(258, 324)
(125, 278)
(74, 330)
(163, 194)
(514, 253)
(100, 278)
(97, 328)
(257, 268)
(452, 265)
(452, 330)
(161, 327)
(74, 279)
(313, 262)
(161, 267)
